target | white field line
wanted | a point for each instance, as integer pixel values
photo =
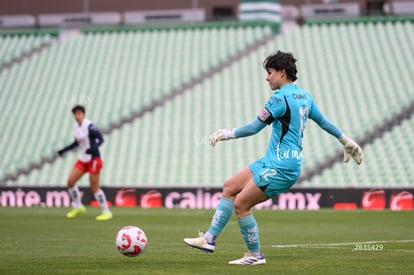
(322, 245)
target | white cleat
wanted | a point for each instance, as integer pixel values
(200, 243)
(249, 260)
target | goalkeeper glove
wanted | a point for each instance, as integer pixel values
(223, 134)
(351, 148)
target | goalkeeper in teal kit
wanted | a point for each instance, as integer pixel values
(287, 111)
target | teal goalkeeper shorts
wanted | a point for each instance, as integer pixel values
(272, 181)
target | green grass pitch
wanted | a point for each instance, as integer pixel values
(43, 241)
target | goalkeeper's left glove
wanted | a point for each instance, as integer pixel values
(351, 148)
(223, 134)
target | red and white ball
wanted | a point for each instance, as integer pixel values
(131, 241)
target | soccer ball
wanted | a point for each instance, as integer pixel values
(131, 241)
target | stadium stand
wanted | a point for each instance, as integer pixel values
(14, 45)
(359, 72)
(118, 72)
(17, 46)
(359, 66)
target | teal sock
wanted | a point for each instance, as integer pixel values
(250, 233)
(221, 216)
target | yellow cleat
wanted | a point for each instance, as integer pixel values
(75, 212)
(104, 216)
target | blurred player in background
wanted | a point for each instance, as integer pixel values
(287, 111)
(88, 138)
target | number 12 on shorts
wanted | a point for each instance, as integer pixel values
(268, 172)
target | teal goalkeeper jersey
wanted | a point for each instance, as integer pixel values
(288, 111)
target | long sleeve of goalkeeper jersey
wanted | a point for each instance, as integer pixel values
(249, 129)
(323, 122)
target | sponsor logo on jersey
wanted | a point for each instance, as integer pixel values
(300, 96)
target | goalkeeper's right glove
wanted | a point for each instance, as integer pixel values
(351, 148)
(223, 134)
